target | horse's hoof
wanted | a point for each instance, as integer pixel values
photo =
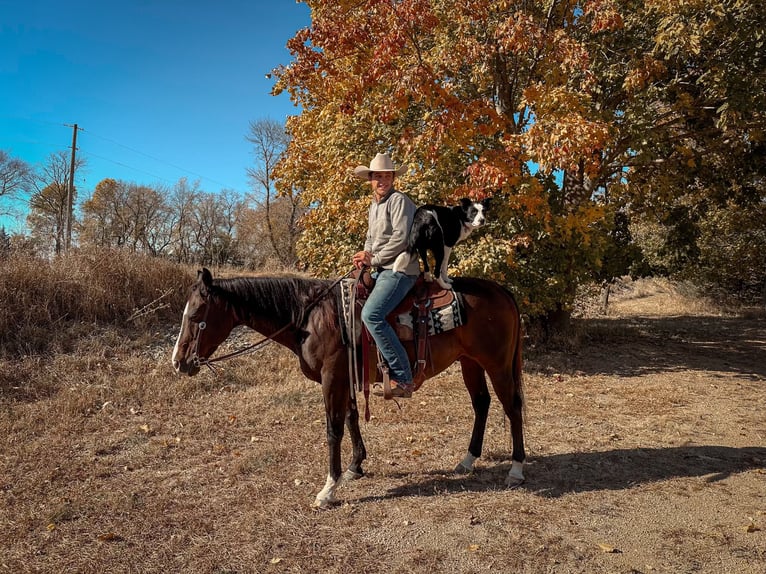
(350, 475)
(515, 476)
(513, 482)
(324, 504)
(463, 469)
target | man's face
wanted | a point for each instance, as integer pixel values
(381, 182)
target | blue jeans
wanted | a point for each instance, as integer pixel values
(390, 289)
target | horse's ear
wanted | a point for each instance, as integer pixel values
(205, 278)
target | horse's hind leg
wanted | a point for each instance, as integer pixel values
(476, 383)
(507, 385)
(354, 470)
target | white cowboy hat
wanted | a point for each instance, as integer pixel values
(382, 162)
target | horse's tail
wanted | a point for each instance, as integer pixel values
(518, 365)
(518, 362)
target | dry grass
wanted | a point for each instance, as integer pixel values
(45, 301)
(646, 437)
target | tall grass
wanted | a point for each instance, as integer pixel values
(44, 302)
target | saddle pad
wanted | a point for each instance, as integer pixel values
(442, 319)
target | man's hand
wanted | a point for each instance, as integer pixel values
(362, 259)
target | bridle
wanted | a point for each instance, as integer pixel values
(198, 361)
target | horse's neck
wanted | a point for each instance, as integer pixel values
(268, 306)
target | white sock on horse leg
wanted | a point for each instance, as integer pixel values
(326, 496)
(468, 461)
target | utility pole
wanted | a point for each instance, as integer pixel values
(70, 193)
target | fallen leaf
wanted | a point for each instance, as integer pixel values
(51, 527)
(473, 547)
(608, 549)
(109, 537)
(275, 560)
(752, 527)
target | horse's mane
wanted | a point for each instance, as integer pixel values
(283, 297)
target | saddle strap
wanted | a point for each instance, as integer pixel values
(422, 337)
(367, 347)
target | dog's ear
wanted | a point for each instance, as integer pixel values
(486, 203)
(465, 203)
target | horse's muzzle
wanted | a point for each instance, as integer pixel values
(184, 368)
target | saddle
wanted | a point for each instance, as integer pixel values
(427, 309)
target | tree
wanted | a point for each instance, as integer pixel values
(213, 223)
(692, 117)
(15, 178)
(280, 225)
(48, 204)
(47, 215)
(567, 113)
(181, 204)
(103, 222)
(482, 98)
(123, 214)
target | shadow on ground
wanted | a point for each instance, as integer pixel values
(639, 346)
(559, 474)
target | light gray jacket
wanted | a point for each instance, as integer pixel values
(389, 224)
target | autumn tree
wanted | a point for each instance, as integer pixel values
(694, 123)
(127, 215)
(103, 222)
(480, 98)
(573, 116)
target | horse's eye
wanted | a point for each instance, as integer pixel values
(197, 315)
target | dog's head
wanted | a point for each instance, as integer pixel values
(474, 213)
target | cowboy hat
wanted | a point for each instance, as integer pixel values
(382, 162)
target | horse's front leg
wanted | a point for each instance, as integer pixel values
(354, 470)
(335, 394)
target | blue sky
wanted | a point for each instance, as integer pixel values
(162, 89)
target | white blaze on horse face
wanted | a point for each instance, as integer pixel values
(184, 319)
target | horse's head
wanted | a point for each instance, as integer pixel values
(206, 322)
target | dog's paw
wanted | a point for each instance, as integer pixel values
(445, 283)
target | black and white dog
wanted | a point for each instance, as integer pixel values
(438, 229)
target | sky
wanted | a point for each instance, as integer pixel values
(161, 89)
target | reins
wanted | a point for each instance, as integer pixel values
(265, 340)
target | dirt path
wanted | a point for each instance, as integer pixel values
(646, 444)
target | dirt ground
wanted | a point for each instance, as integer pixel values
(646, 439)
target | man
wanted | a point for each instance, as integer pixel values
(389, 222)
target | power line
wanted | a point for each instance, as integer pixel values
(115, 142)
(159, 160)
(121, 164)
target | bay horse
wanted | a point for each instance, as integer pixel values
(488, 343)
